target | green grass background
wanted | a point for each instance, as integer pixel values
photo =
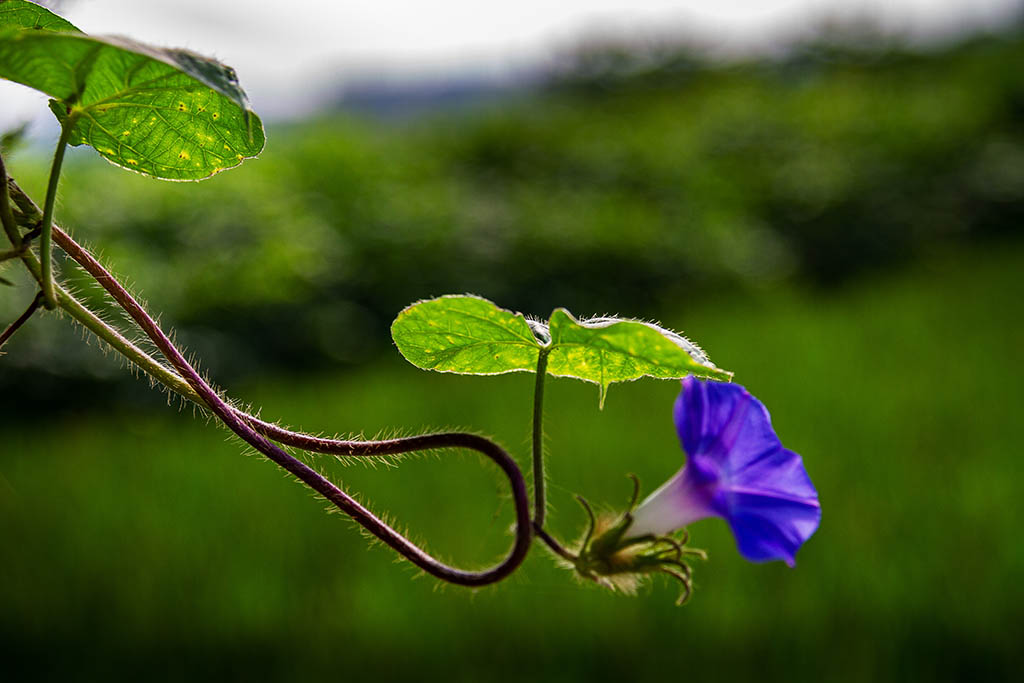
(142, 545)
(839, 226)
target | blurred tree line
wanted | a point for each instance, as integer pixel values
(630, 181)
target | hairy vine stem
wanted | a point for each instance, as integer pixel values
(22, 319)
(255, 432)
(71, 305)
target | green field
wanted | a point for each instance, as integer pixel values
(145, 545)
(838, 225)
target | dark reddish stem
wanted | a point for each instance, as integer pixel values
(255, 432)
(552, 543)
(13, 327)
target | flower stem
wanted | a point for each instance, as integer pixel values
(46, 237)
(13, 327)
(539, 496)
(553, 543)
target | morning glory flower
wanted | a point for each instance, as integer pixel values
(736, 469)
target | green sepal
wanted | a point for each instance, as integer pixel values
(611, 558)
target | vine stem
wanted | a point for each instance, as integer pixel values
(13, 327)
(315, 444)
(539, 496)
(46, 237)
(241, 425)
(6, 215)
(255, 432)
(79, 311)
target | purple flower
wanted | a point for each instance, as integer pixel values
(736, 469)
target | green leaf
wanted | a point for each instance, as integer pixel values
(607, 350)
(470, 335)
(22, 14)
(465, 334)
(166, 113)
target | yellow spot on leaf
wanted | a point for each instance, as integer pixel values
(182, 107)
(131, 162)
(127, 132)
(215, 116)
(183, 155)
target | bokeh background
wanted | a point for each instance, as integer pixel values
(836, 218)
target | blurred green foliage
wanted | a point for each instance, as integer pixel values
(633, 187)
(142, 545)
(762, 208)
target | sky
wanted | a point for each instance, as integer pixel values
(292, 61)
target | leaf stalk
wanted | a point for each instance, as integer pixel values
(46, 236)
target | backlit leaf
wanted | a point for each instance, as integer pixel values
(470, 335)
(22, 14)
(465, 334)
(167, 113)
(607, 350)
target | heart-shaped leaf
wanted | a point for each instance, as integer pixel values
(167, 113)
(607, 350)
(470, 335)
(465, 334)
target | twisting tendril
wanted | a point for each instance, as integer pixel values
(261, 434)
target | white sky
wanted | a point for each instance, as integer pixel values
(285, 60)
